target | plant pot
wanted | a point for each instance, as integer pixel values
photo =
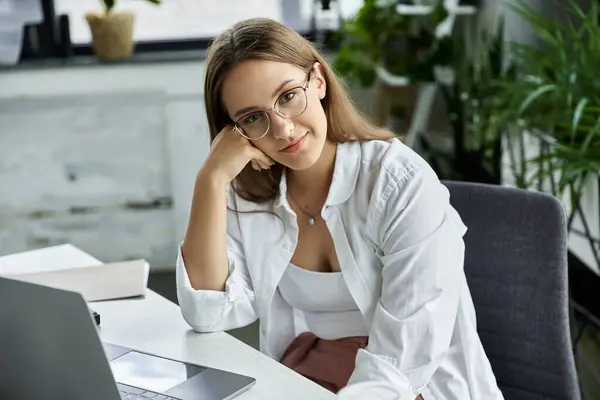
(112, 34)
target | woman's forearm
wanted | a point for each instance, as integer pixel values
(205, 244)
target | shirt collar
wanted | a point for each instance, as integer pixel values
(345, 175)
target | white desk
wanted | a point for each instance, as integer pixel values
(155, 325)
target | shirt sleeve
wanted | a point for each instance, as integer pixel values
(420, 236)
(395, 386)
(209, 310)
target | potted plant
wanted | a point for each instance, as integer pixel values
(553, 113)
(112, 31)
(404, 45)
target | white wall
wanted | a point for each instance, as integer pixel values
(97, 138)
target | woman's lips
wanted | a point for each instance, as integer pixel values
(296, 145)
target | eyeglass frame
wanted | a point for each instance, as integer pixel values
(304, 88)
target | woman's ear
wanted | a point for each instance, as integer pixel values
(319, 80)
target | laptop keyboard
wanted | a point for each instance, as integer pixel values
(132, 393)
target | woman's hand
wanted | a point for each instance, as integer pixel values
(230, 152)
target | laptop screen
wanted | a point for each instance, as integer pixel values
(152, 373)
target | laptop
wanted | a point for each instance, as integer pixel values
(50, 349)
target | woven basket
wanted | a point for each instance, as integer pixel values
(112, 34)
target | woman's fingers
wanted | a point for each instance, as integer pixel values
(260, 165)
(260, 157)
(264, 164)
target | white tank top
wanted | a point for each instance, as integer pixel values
(322, 303)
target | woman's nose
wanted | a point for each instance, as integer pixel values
(281, 127)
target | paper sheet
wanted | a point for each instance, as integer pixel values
(65, 256)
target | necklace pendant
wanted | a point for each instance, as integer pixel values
(311, 221)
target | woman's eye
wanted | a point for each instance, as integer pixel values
(250, 119)
(289, 96)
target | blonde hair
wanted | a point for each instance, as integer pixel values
(266, 39)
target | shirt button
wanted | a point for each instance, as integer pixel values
(263, 331)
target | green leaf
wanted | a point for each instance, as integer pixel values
(590, 136)
(535, 95)
(577, 10)
(577, 116)
(544, 28)
(109, 5)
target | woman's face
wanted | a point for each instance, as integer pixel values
(267, 96)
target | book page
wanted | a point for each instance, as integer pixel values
(54, 258)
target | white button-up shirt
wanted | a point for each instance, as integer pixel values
(400, 248)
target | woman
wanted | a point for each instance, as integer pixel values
(336, 236)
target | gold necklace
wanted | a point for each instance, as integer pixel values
(311, 218)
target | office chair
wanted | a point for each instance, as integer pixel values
(516, 268)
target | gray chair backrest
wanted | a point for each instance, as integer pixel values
(516, 268)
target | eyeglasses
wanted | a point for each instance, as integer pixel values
(290, 104)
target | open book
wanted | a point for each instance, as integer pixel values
(69, 268)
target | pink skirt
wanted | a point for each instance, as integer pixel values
(328, 363)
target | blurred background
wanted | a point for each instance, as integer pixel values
(103, 127)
